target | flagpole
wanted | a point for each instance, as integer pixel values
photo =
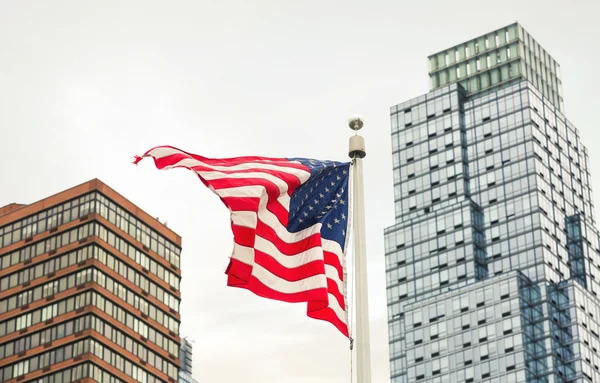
(363, 345)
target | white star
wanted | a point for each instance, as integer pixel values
(311, 190)
(343, 216)
(305, 214)
(326, 190)
(315, 201)
(338, 177)
(338, 195)
(335, 206)
(329, 226)
(332, 183)
(344, 171)
(343, 232)
(311, 208)
(336, 220)
(328, 207)
(300, 220)
(341, 190)
(342, 202)
(321, 195)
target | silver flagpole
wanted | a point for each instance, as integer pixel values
(363, 344)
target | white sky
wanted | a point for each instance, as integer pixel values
(85, 85)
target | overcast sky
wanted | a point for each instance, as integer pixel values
(85, 85)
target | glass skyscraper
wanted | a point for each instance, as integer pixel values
(185, 356)
(492, 263)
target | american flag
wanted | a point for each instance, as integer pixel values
(290, 221)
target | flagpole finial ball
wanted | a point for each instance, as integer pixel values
(356, 122)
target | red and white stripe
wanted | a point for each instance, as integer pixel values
(267, 259)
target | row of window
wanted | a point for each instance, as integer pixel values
(558, 129)
(137, 229)
(505, 107)
(81, 232)
(136, 278)
(134, 347)
(122, 364)
(91, 203)
(415, 135)
(481, 63)
(46, 220)
(427, 110)
(44, 268)
(80, 371)
(43, 360)
(47, 335)
(502, 235)
(72, 258)
(435, 195)
(451, 257)
(89, 275)
(82, 323)
(134, 300)
(429, 229)
(79, 301)
(565, 141)
(469, 300)
(431, 201)
(453, 276)
(431, 162)
(135, 324)
(426, 149)
(139, 257)
(47, 245)
(473, 48)
(71, 351)
(467, 328)
(431, 179)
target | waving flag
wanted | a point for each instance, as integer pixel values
(290, 221)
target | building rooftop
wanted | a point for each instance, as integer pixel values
(16, 211)
(498, 59)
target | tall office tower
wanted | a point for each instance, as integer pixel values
(89, 291)
(185, 356)
(492, 263)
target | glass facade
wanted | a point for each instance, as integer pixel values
(185, 356)
(497, 59)
(88, 289)
(493, 262)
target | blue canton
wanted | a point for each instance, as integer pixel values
(322, 198)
